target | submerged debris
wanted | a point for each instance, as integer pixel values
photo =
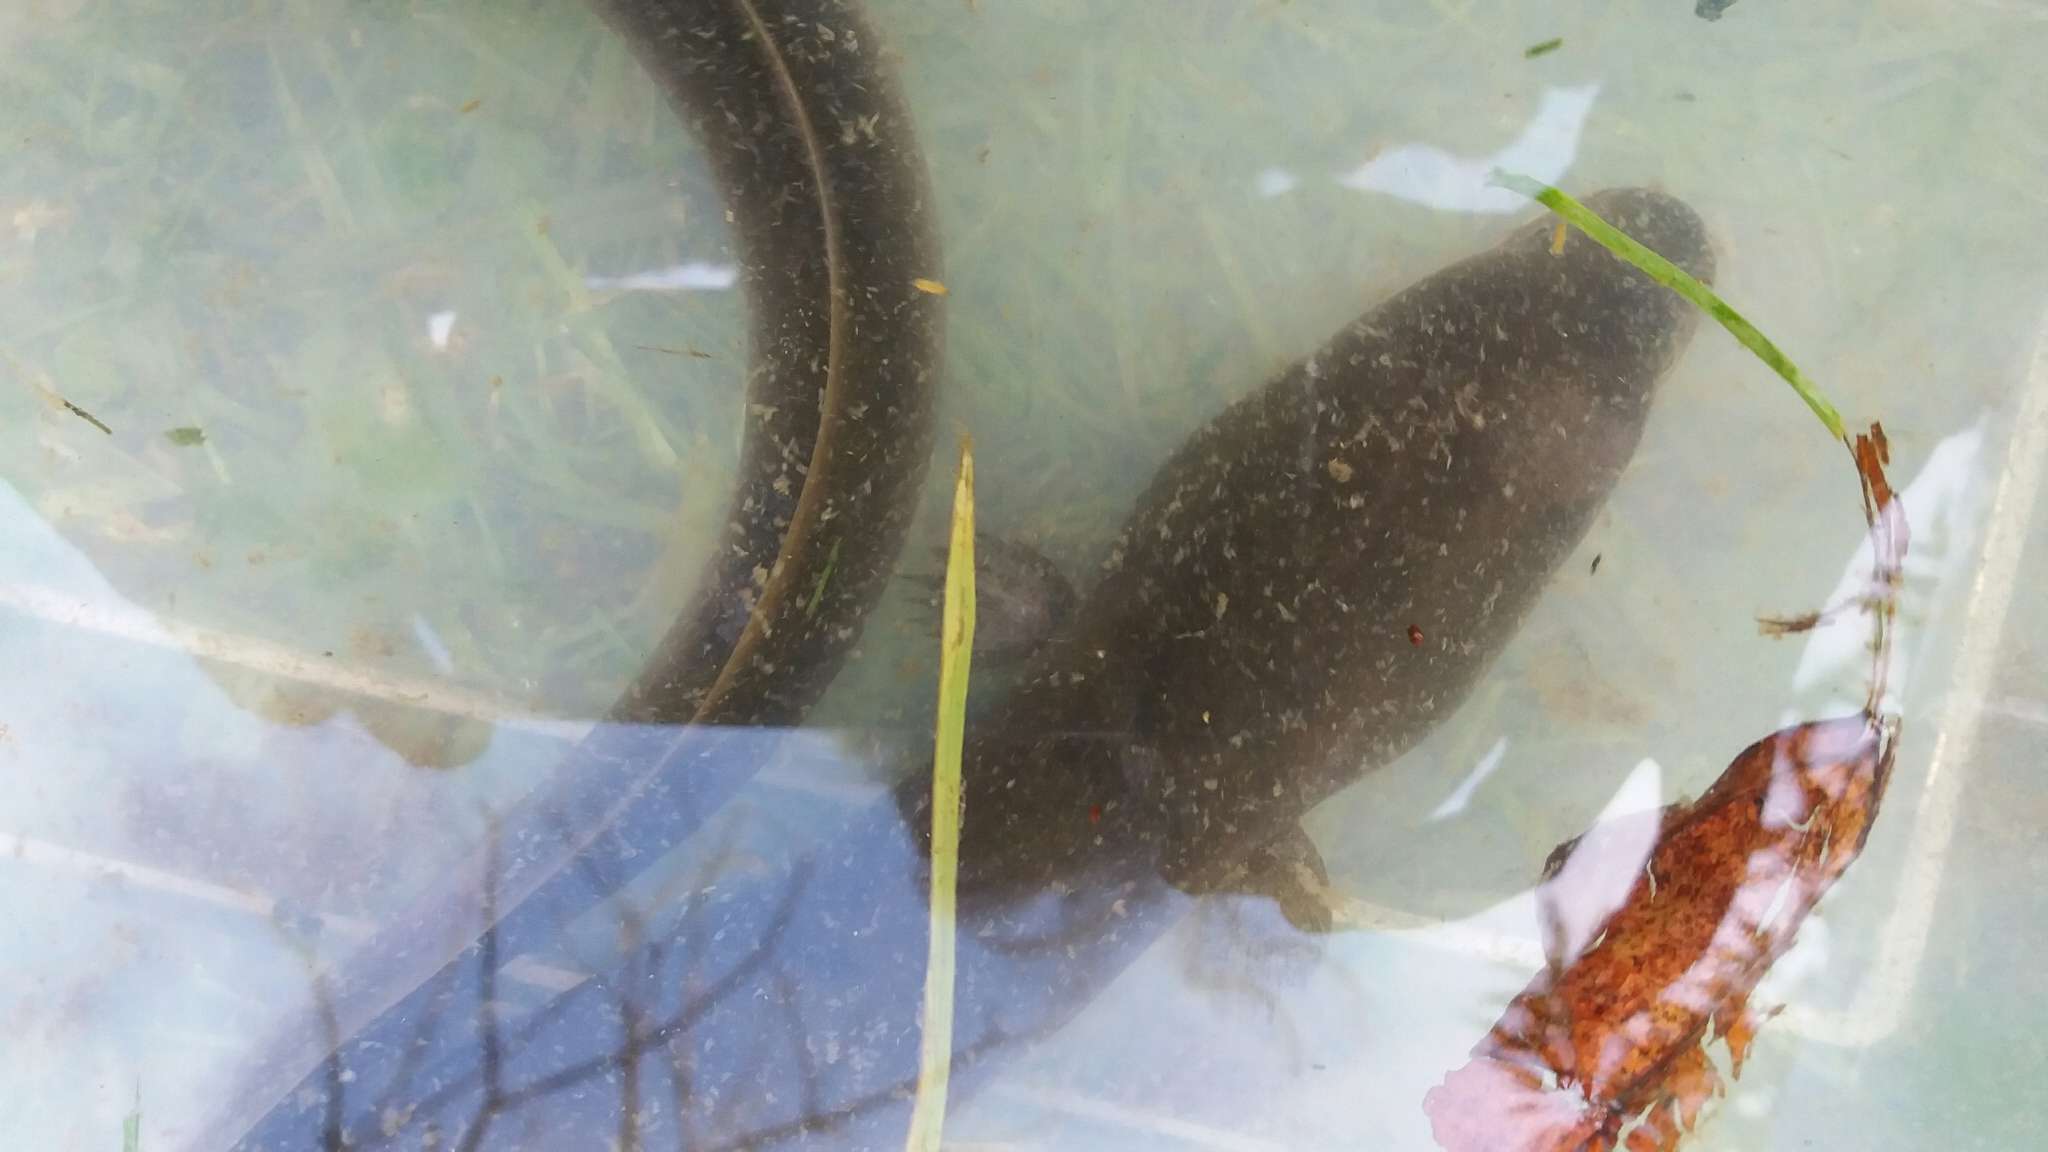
(690, 350)
(1614, 1033)
(82, 414)
(1608, 1046)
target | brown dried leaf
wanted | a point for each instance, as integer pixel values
(1776, 830)
(1741, 1032)
(1693, 1082)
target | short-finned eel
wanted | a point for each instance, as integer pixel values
(830, 208)
(1316, 578)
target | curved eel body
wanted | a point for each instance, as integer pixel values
(830, 209)
(1317, 577)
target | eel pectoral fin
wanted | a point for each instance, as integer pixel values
(1289, 871)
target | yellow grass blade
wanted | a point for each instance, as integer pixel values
(956, 645)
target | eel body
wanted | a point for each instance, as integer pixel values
(1318, 576)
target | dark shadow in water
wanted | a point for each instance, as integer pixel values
(722, 1007)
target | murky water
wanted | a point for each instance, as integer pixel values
(389, 380)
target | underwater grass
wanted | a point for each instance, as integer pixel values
(956, 647)
(131, 1125)
(1675, 278)
(336, 180)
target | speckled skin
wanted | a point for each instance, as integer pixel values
(840, 381)
(1250, 651)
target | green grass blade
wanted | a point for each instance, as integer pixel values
(956, 645)
(131, 1126)
(1671, 276)
(824, 579)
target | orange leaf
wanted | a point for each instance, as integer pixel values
(1693, 1082)
(1740, 1034)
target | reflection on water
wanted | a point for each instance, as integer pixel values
(425, 406)
(695, 276)
(1544, 150)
